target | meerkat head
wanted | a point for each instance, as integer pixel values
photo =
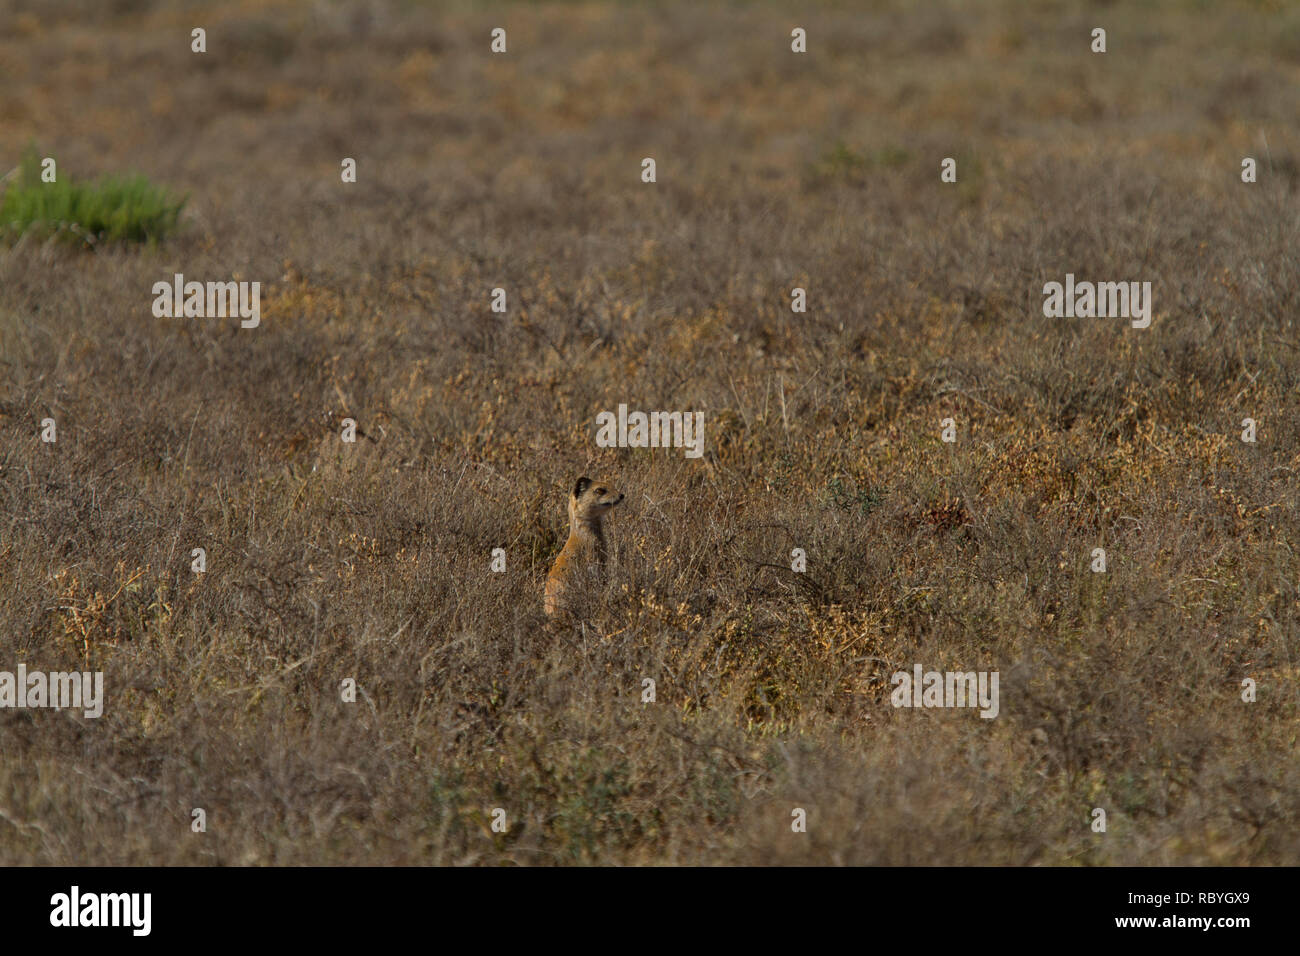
(591, 499)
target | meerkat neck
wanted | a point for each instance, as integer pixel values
(589, 532)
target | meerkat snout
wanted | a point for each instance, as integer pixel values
(584, 551)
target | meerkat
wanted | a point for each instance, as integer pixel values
(584, 552)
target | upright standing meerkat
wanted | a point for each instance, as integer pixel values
(584, 552)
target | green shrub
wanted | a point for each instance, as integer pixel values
(130, 209)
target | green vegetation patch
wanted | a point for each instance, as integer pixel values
(127, 209)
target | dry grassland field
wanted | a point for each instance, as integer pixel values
(1070, 511)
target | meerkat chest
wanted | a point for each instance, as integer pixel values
(585, 544)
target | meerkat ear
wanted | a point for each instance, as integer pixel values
(583, 484)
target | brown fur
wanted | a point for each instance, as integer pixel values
(584, 552)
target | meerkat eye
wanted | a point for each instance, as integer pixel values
(600, 491)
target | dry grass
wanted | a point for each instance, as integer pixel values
(371, 561)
